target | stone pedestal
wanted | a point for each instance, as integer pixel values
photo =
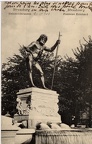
(43, 105)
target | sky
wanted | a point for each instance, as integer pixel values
(23, 29)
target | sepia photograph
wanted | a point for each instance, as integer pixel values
(46, 72)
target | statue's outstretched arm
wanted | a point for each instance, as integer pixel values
(53, 47)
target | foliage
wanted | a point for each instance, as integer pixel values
(84, 60)
(73, 81)
(76, 79)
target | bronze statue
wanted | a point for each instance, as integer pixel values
(34, 52)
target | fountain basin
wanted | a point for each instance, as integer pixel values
(73, 136)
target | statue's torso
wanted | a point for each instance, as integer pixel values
(35, 48)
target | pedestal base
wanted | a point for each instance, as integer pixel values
(35, 118)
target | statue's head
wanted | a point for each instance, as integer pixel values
(42, 39)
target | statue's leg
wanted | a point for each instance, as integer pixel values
(42, 75)
(30, 69)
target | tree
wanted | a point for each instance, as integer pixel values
(76, 84)
(84, 60)
(68, 90)
(12, 80)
